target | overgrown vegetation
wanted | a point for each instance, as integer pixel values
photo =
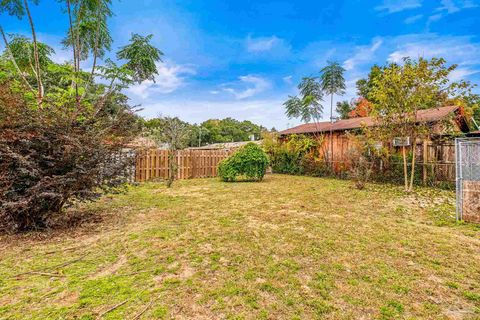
(400, 91)
(52, 156)
(392, 95)
(62, 130)
(289, 247)
(249, 163)
(298, 155)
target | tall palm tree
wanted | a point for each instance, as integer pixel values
(332, 82)
(307, 107)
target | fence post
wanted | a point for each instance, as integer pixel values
(191, 164)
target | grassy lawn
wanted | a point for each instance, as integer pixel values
(285, 248)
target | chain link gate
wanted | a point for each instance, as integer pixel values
(467, 153)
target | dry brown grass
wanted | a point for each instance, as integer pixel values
(286, 248)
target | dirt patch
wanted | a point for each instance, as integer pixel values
(254, 223)
(67, 298)
(184, 192)
(458, 314)
(182, 274)
(111, 269)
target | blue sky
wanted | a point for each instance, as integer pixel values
(243, 58)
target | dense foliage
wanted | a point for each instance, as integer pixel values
(307, 106)
(299, 155)
(344, 108)
(52, 156)
(62, 132)
(365, 161)
(249, 163)
(400, 91)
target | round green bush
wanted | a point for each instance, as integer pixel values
(249, 163)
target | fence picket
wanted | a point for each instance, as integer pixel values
(154, 164)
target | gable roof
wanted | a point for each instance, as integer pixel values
(427, 115)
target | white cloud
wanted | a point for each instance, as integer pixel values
(287, 79)
(413, 19)
(269, 49)
(393, 6)
(170, 78)
(255, 85)
(460, 50)
(455, 49)
(462, 73)
(452, 6)
(363, 54)
(261, 44)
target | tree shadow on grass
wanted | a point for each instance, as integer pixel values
(73, 222)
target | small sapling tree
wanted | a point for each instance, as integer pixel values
(174, 134)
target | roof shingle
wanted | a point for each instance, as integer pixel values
(427, 115)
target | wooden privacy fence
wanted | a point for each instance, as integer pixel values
(436, 160)
(154, 164)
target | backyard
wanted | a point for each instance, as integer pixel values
(286, 248)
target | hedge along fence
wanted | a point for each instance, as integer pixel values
(153, 164)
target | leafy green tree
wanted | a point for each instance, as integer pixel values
(400, 91)
(58, 126)
(471, 102)
(56, 155)
(9, 56)
(476, 117)
(141, 57)
(365, 86)
(22, 50)
(19, 9)
(88, 33)
(172, 132)
(344, 108)
(229, 130)
(308, 106)
(333, 83)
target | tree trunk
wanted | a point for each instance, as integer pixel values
(72, 36)
(35, 55)
(7, 46)
(405, 168)
(76, 44)
(412, 171)
(331, 131)
(97, 39)
(172, 165)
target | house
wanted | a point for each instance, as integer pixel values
(435, 118)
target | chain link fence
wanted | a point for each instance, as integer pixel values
(467, 153)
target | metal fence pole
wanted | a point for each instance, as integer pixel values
(457, 178)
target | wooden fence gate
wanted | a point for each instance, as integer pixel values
(154, 164)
